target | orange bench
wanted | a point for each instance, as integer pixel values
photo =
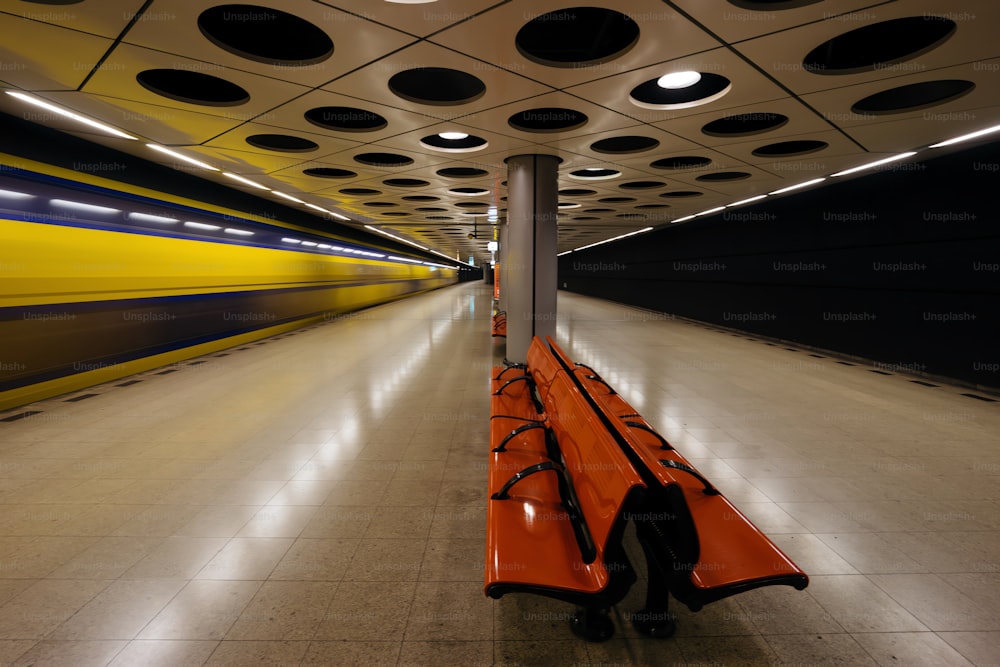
(698, 546)
(560, 497)
(500, 324)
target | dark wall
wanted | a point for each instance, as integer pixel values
(901, 267)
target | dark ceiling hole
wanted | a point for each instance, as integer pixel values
(876, 45)
(466, 144)
(594, 172)
(265, 35)
(431, 209)
(616, 200)
(576, 192)
(421, 198)
(641, 185)
(772, 5)
(913, 97)
(682, 162)
(582, 217)
(787, 148)
(744, 124)
(346, 119)
(282, 142)
(598, 210)
(624, 144)
(436, 85)
(681, 194)
(547, 119)
(192, 87)
(359, 191)
(405, 182)
(576, 36)
(461, 172)
(380, 204)
(395, 214)
(469, 191)
(383, 159)
(720, 176)
(439, 217)
(651, 94)
(653, 206)
(472, 204)
(329, 172)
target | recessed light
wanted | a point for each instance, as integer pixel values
(677, 80)
(453, 136)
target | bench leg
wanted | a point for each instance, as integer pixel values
(593, 624)
(655, 619)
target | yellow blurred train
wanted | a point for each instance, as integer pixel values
(99, 280)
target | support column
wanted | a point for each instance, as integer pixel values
(501, 261)
(532, 204)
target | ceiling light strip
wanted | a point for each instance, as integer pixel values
(70, 114)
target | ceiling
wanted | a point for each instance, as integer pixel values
(339, 103)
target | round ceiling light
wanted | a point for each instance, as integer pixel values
(676, 80)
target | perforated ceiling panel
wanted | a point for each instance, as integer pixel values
(348, 104)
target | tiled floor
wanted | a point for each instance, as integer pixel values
(319, 499)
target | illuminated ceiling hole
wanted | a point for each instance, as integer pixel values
(469, 192)
(681, 194)
(644, 206)
(642, 185)
(383, 159)
(913, 97)
(438, 86)
(405, 182)
(346, 119)
(743, 124)
(265, 35)
(789, 148)
(380, 204)
(624, 144)
(421, 198)
(722, 176)
(576, 192)
(598, 210)
(465, 145)
(595, 174)
(472, 204)
(282, 142)
(682, 162)
(616, 200)
(461, 172)
(772, 5)
(547, 119)
(329, 172)
(359, 191)
(431, 209)
(576, 36)
(876, 45)
(192, 87)
(650, 95)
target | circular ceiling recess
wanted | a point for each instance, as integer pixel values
(395, 214)
(458, 144)
(598, 210)
(595, 174)
(472, 204)
(720, 176)
(624, 144)
(265, 35)
(681, 162)
(547, 119)
(437, 86)
(642, 185)
(405, 182)
(461, 172)
(383, 159)
(282, 142)
(743, 124)
(345, 119)
(576, 192)
(576, 36)
(653, 206)
(469, 192)
(913, 97)
(329, 172)
(789, 148)
(439, 217)
(431, 209)
(359, 191)
(772, 5)
(681, 194)
(380, 204)
(192, 87)
(876, 45)
(707, 88)
(616, 200)
(421, 198)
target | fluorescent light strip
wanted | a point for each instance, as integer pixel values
(746, 201)
(146, 217)
(288, 240)
(870, 165)
(711, 211)
(616, 238)
(12, 194)
(201, 225)
(238, 232)
(564, 253)
(404, 259)
(310, 244)
(318, 208)
(71, 115)
(967, 137)
(796, 187)
(245, 181)
(288, 197)
(393, 236)
(89, 208)
(181, 157)
(339, 216)
(684, 219)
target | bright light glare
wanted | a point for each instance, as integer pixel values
(69, 114)
(184, 158)
(967, 137)
(201, 225)
(676, 80)
(89, 208)
(453, 136)
(796, 187)
(245, 181)
(146, 217)
(870, 165)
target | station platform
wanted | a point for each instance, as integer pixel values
(318, 498)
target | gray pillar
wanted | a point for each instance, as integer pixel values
(501, 260)
(532, 204)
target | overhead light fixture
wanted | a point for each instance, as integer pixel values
(616, 238)
(398, 238)
(405, 259)
(453, 136)
(870, 165)
(796, 187)
(71, 115)
(89, 208)
(237, 232)
(146, 217)
(746, 201)
(967, 137)
(201, 225)
(13, 194)
(182, 157)
(564, 253)
(245, 181)
(684, 219)
(677, 80)
(288, 197)
(288, 240)
(339, 216)
(711, 211)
